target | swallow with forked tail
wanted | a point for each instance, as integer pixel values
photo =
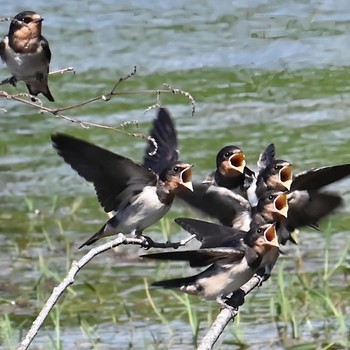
(141, 194)
(213, 235)
(232, 264)
(27, 53)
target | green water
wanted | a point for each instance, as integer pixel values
(260, 72)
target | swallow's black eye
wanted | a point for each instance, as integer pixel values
(26, 20)
(270, 197)
(276, 167)
(176, 169)
(227, 154)
(259, 230)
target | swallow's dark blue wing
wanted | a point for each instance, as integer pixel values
(202, 257)
(218, 202)
(317, 178)
(307, 208)
(267, 156)
(164, 133)
(116, 178)
(2, 50)
(45, 46)
(212, 235)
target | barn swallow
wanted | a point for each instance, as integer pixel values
(304, 208)
(233, 210)
(229, 207)
(230, 169)
(307, 204)
(272, 207)
(212, 235)
(221, 194)
(140, 194)
(231, 265)
(277, 176)
(27, 53)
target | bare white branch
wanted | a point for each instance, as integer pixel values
(225, 316)
(76, 267)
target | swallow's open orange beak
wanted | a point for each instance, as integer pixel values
(286, 176)
(237, 161)
(186, 177)
(270, 235)
(281, 204)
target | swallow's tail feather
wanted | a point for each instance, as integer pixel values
(37, 88)
(95, 237)
(48, 95)
(185, 284)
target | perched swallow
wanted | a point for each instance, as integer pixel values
(140, 194)
(231, 265)
(27, 53)
(307, 204)
(220, 194)
(272, 207)
(292, 210)
(212, 235)
(230, 168)
(277, 176)
(233, 210)
(229, 207)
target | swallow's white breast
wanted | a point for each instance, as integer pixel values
(221, 282)
(26, 67)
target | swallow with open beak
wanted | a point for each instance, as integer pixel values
(272, 207)
(307, 204)
(277, 176)
(221, 194)
(230, 169)
(27, 53)
(212, 235)
(141, 194)
(233, 210)
(231, 265)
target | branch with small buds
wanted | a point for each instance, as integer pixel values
(57, 112)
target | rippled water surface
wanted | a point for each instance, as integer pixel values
(260, 72)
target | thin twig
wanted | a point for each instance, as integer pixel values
(184, 93)
(63, 70)
(10, 80)
(225, 316)
(73, 271)
(57, 112)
